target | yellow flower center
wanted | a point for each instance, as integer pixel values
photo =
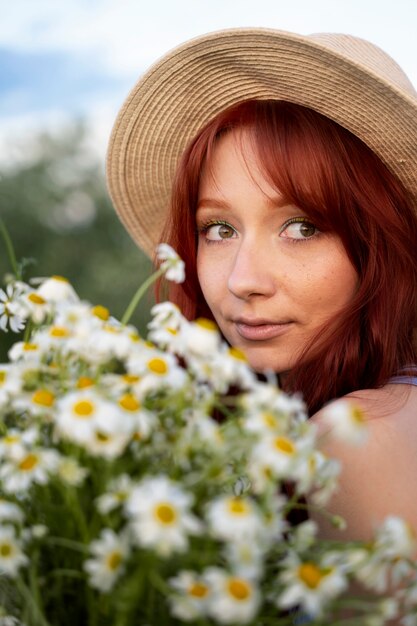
(358, 415)
(84, 381)
(172, 331)
(312, 463)
(283, 444)
(102, 437)
(203, 322)
(134, 337)
(29, 462)
(198, 590)
(101, 312)
(237, 506)
(5, 550)
(36, 299)
(30, 347)
(129, 402)
(165, 513)
(110, 329)
(9, 439)
(238, 354)
(114, 560)
(158, 366)
(43, 397)
(269, 420)
(60, 278)
(311, 575)
(2, 377)
(59, 332)
(83, 408)
(130, 379)
(239, 589)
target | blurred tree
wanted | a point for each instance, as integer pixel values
(57, 211)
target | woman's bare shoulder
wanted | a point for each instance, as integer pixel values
(378, 477)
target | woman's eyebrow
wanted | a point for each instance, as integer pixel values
(274, 202)
(212, 203)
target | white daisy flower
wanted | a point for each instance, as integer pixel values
(266, 398)
(200, 338)
(116, 495)
(26, 351)
(10, 511)
(325, 475)
(234, 599)
(70, 471)
(245, 558)
(172, 265)
(160, 515)
(280, 454)
(57, 289)
(108, 445)
(11, 555)
(231, 365)
(263, 422)
(234, 518)
(15, 442)
(33, 305)
(199, 427)
(37, 531)
(309, 585)
(104, 342)
(391, 554)
(304, 535)
(191, 596)
(9, 310)
(346, 421)
(10, 382)
(165, 325)
(140, 422)
(38, 402)
(81, 414)
(396, 539)
(109, 554)
(55, 337)
(156, 369)
(28, 467)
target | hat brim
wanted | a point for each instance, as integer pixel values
(194, 82)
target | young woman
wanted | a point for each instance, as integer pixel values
(284, 168)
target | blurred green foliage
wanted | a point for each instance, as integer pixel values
(57, 211)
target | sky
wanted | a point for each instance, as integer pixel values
(61, 59)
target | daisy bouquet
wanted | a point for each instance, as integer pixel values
(152, 481)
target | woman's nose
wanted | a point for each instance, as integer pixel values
(252, 271)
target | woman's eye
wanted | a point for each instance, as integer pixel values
(217, 232)
(299, 229)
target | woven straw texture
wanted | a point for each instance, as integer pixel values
(345, 78)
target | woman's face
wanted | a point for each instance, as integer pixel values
(270, 278)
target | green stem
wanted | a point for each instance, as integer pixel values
(67, 543)
(28, 331)
(139, 294)
(33, 581)
(29, 600)
(10, 250)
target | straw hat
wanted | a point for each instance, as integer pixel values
(345, 78)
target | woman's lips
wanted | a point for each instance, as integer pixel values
(259, 331)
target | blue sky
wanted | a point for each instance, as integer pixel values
(66, 58)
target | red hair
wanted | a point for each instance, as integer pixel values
(345, 188)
